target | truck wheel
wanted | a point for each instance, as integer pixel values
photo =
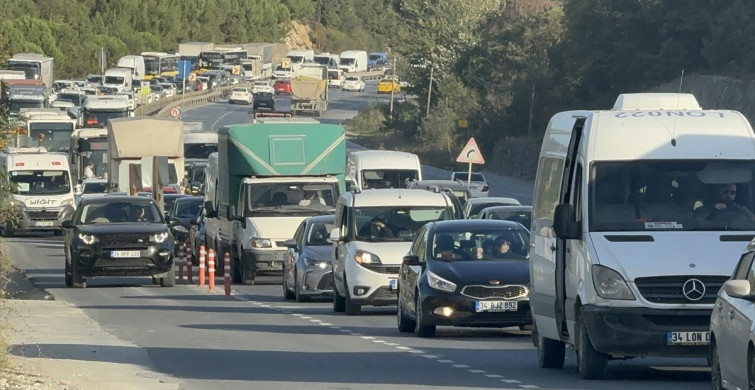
(77, 281)
(550, 353)
(592, 364)
(169, 280)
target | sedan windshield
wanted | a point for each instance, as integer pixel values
(473, 244)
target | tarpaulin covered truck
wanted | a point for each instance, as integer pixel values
(264, 180)
(309, 90)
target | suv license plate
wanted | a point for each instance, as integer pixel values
(124, 254)
(483, 306)
(688, 338)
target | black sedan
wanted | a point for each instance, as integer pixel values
(264, 100)
(307, 268)
(465, 273)
(118, 235)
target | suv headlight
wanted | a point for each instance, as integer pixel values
(67, 202)
(609, 284)
(159, 237)
(367, 258)
(87, 239)
(256, 242)
(317, 263)
(439, 283)
(18, 203)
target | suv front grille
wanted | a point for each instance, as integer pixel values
(670, 289)
(485, 292)
(124, 239)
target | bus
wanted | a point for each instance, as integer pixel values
(214, 59)
(159, 64)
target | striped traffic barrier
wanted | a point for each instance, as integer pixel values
(180, 261)
(227, 273)
(211, 270)
(202, 255)
(189, 270)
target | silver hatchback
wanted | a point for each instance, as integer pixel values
(307, 270)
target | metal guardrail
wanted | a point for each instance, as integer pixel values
(372, 75)
(162, 107)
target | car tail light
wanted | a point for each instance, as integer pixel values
(485, 188)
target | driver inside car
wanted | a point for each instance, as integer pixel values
(724, 203)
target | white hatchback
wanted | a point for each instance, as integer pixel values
(732, 333)
(352, 83)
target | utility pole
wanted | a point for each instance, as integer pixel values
(394, 79)
(429, 92)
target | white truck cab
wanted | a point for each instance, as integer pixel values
(43, 191)
(374, 230)
(631, 234)
(370, 169)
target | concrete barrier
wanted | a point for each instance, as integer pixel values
(187, 100)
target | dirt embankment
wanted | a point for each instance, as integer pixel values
(518, 157)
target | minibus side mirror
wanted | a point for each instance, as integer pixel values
(564, 223)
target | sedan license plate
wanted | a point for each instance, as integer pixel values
(124, 254)
(44, 223)
(688, 338)
(393, 284)
(482, 306)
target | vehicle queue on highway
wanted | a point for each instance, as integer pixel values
(584, 271)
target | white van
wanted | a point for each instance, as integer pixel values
(630, 240)
(374, 230)
(43, 194)
(353, 61)
(370, 169)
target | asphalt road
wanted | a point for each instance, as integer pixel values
(255, 339)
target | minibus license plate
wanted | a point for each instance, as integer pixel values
(44, 223)
(124, 254)
(688, 338)
(481, 306)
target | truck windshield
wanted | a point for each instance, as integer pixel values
(671, 195)
(302, 198)
(41, 182)
(31, 70)
(56, 136)
(394, 223)
(15, 106)
(99, 118)
(348, 61)
(114, 80)
(388, 178)
(151, 66)
(199, 151)
(76, 98)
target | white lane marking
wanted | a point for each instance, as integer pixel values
(219, 119)
(461, 366)
(529, 386)
(415, 351)
(430, 356)
(493, 376)
(477, 371)
(313, 320)
(368, 338)
(445, 361)
(325, 324)
(510, 381)
(403, 348)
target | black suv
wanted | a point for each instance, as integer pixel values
(264, 100)
(118, 235)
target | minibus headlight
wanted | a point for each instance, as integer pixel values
(609, 284)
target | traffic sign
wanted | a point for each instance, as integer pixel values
(175, 112)
(471, 153)
(192, 76)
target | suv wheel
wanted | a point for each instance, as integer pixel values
(77, 281)
(351, 308)
(404, 324)
(339, 304)
(421, 328)
(169, 280)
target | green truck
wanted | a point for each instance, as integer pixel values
(264, 180)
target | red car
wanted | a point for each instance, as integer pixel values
(282, 86)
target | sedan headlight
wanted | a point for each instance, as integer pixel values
(256, 242)
(317, 263)
(439, 283)
(609, 284)
(365, 258)
(87, 239)
(159, 237)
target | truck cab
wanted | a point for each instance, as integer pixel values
(98, 109)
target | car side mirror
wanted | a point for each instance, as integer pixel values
(209, 209)
(67, 224)
(290, 243)
(174, 222)
(411, 260)
(739, 289)
(565, 224)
